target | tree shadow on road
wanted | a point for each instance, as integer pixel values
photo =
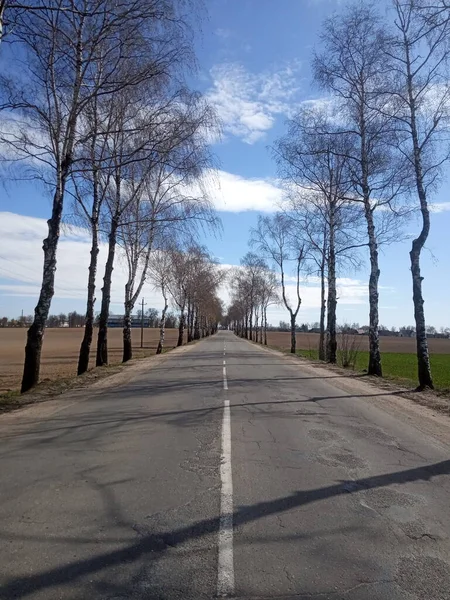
(96, 428)
(153, 546)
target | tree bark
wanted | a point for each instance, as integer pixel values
(127, 343)
(85, 348)
(188, 321)
(181, 328)
(322, 354)
(332, 295)
(423, 357)
(291, 312)
(131, 297)
(374, 367)
(102, 338)
(293, 340)
(2, 14)
(196, 326)
(162, 328)
(265, 326)
(35, 334)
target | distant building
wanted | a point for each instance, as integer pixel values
(117, 321)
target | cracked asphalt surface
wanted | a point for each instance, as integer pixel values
(117, 494)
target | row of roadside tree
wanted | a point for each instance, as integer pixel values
(356, 164)
(94, 103)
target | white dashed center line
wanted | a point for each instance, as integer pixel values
(225, 576)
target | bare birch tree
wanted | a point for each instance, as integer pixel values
(353, 67)
(91, 181)
(166, 206)
(50, 85)
(240, 287)
(420, 95)
(132, 154)
(253, 267)
(178, 288)
(160, 273)
(313, 160)
(278, 242)
(10, 11)
(235, 316)
(206, 307)
(201, 284)
(193, 288)
(253, 289)
(136, 237)
(269, 295)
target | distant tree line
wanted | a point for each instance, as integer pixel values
(71, 319)
(76, 320)
(254, 287)
(355, 329)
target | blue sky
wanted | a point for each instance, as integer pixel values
(254, 66)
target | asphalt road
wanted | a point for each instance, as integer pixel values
(140, 491)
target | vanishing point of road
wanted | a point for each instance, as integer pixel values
(226, 470)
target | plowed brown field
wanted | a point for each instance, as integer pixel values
(60, 351)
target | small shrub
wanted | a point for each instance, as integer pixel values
(348, 350)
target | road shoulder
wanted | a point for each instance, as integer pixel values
(47, 400)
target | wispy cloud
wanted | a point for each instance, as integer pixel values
(440, 207)
(21, 268)
(223, 33)
(21, 261)
(248, 103)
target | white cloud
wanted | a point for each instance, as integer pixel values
(21, 259)
(248, 103)
(233, 193)
(258, 121)
(21, 252)
(22, 139)
(350, 292)
(21, 267)
(352, 297)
